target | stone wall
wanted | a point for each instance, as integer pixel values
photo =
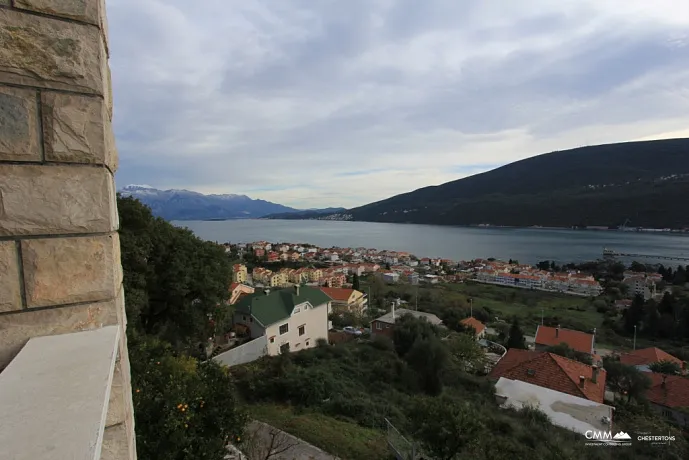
(60, 268)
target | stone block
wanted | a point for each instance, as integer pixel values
(116, 405)
(104, 29)
(74, 128)
(18, 125)
(10, 288)
(81, 10)
(107, 81)
(50, 53)
(68, 270)
(17, 328)
(112, 160)
(56, 199)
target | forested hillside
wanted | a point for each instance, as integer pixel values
(644, 182)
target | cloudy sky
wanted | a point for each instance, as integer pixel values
(315, 103)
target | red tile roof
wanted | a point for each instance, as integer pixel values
(648, 356)
(476, 324)
(675, 392)
(233, 286)
(339, 294)
(551, 371)
(577, 340)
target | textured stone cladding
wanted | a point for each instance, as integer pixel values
(60, 269)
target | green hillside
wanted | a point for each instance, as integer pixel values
(645, 182)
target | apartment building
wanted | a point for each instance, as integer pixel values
(239, 273)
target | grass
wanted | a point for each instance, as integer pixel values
(344, 439)
(505, 302)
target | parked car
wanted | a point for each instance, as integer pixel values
(352, 330)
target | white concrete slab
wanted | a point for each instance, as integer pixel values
(567, 411)
(54, 396)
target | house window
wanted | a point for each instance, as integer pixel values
(272, 339)
(284, 329)
(379, 326)
(307, 343)
(284, 348)
(296, 310)
(251, 319)
(302, 330)
(667, 413)
(243, 318)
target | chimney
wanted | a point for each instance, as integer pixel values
(557, 331)
(296, 289)
(582, 381)
(594, 376)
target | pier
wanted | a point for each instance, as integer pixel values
(611, 254)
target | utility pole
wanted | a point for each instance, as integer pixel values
(416, 307)
(634, 338)
(471, 307)
(542, 313)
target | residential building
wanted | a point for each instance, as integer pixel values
(643, 358)
(349, 300)
(391, 277)
(570, 412)
(552, 371)
(261, 275)
(385, 325)
(273, 257)
(283, 248)
(315, 275)
(478, 326)
(292, 319)
(259, 252)
(669, 396)
(334, 280)
(277, 279)
(432, 279)
(413, 278)
(640, 284)
(547, 336)
(237, 291)
(294, 256)
(239, 273)
(623, 304)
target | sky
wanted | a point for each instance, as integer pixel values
(316, 103)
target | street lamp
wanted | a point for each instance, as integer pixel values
(634, 337)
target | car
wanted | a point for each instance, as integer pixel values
(352, 330)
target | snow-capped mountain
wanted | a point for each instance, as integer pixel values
(187, 205)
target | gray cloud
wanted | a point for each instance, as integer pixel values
(294, 101)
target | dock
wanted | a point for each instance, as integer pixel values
(611, 253)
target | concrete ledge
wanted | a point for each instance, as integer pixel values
(55, 394)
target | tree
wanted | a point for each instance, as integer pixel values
(264, 442)
(408, 330)
(466, 352)
(516, 336)
(626, 380)
(563, 349)
(634, 315)
(174, 282)
(666, 367)
(183, 410)
(543, 265)
(356, 285)
(429, 358)
(445, 427)
(637, 267)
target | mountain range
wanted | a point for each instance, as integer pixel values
(643, 184)
(187, 205)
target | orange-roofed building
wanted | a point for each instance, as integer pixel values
(346, 299)
(239, 273)
(478, 326)
(669, 396)
(552, 371)
(237, 291)
(643, 358)
(547, 336)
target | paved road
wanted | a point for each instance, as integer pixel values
(298, 449)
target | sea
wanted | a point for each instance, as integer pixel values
(527, 245)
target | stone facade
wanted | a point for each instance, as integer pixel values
(60, 268)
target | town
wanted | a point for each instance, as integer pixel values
(323, 296)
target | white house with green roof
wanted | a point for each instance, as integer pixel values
(291, 319)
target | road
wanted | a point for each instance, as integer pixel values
(290, 447)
